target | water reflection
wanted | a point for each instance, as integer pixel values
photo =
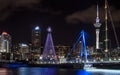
(104, 72)
(56, 71)
(83, 72)
(23, 71)
(3, 71)
(37, 71)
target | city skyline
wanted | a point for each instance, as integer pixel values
(66, 18)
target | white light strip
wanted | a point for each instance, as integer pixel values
(104, 70)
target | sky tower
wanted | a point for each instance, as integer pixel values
(97, 26)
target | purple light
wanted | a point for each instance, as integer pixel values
(49, 51)
(49, 29)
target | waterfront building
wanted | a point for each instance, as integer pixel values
(36, 40)
(5, 46)
(5, 43)
(62, 50)
(24, 51)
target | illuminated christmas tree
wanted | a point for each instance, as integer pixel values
(49, 51)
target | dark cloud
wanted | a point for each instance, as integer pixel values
(85, 16)
(25, 2)
(89, 15)
(7, 6)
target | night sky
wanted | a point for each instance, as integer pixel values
(66, 18)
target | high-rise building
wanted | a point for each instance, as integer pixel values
(5, 43)
(36, 40)
(24, 50)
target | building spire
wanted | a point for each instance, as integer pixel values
(97, 26)
(97, 18)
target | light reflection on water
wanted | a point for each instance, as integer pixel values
(83, 72)
(104, 72)
(36, 71)
(55, 71)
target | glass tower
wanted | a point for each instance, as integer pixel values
(5, 42)
(36, 40)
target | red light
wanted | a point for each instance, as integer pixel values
(4, 33)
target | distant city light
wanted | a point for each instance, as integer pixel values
(37, 28)
(23, 44)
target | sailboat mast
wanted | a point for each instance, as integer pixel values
(113, 26)
(106, 27)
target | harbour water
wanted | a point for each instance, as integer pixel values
(56, 71)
